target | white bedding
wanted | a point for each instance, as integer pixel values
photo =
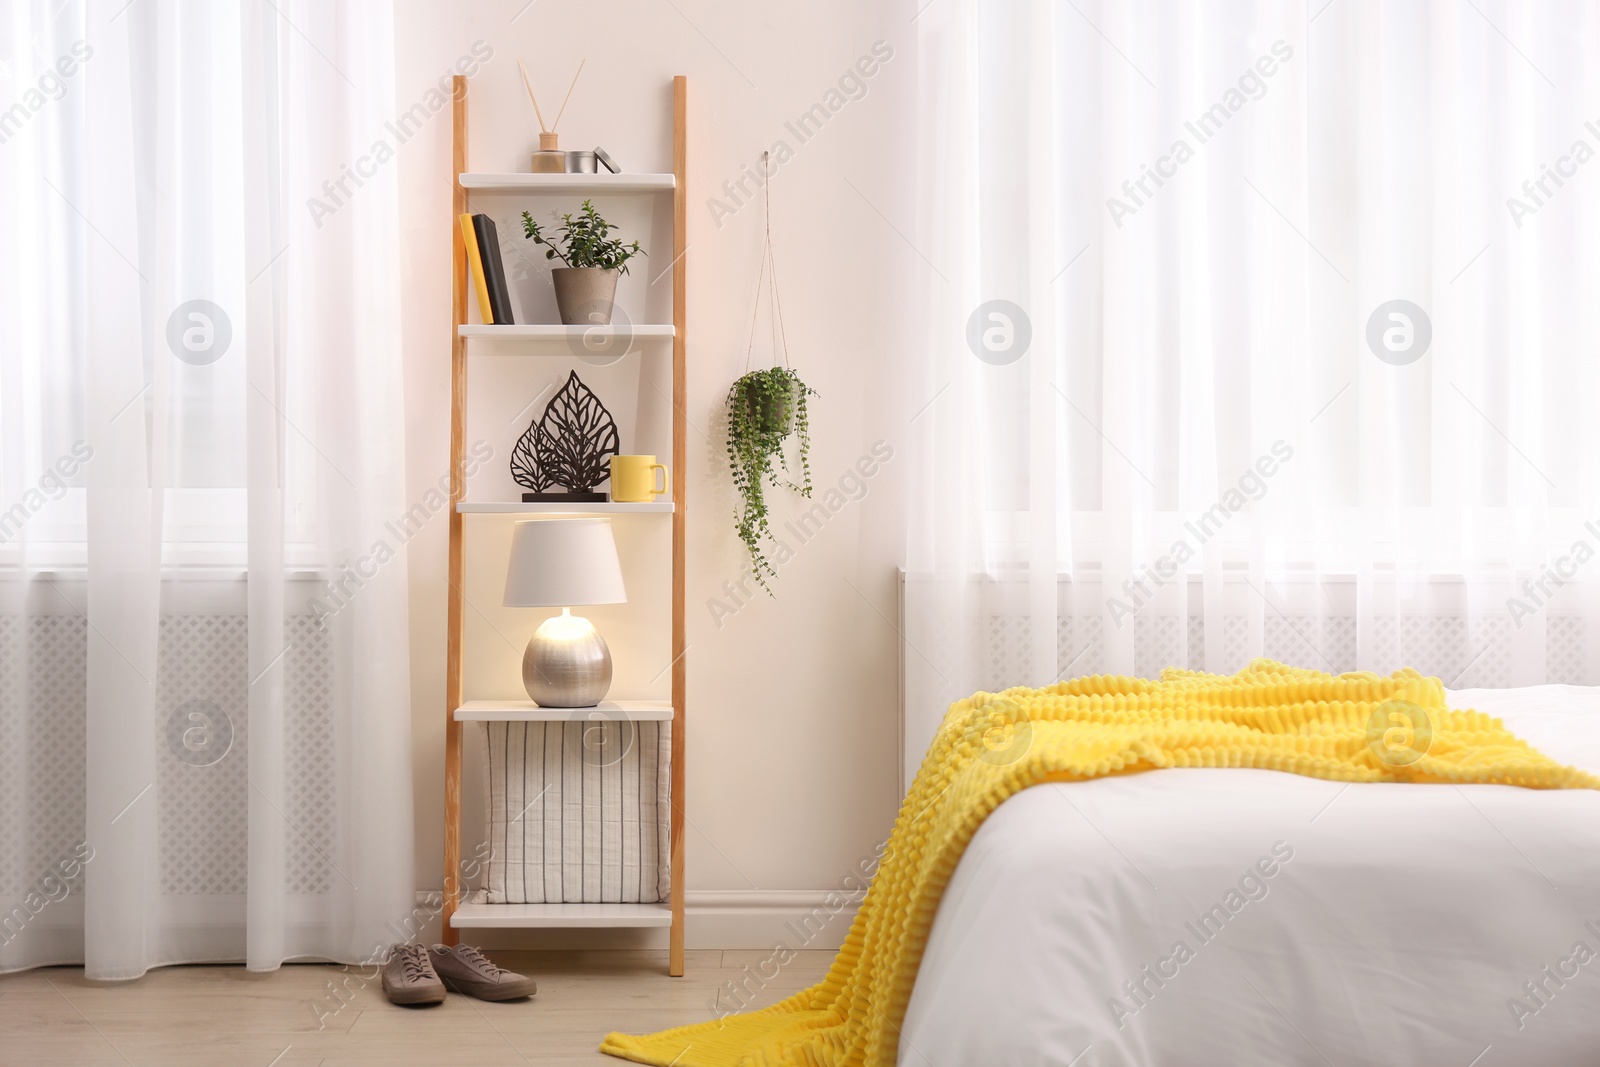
(1398, 933)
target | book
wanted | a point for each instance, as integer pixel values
(494, 269)
(469, 237)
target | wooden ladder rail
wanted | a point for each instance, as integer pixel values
(680, 469)
(455, 595)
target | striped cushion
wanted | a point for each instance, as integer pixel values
(578, 811)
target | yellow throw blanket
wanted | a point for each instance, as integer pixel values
(1350, 728)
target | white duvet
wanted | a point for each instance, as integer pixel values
(1188, 918)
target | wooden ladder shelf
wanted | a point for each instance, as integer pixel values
(456, 913)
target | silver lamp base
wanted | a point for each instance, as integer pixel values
(567, 663)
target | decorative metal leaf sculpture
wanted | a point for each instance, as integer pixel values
(576, 438)
(525, 463)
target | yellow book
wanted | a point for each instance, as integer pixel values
(470, 239)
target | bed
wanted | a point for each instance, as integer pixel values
(1188, 918)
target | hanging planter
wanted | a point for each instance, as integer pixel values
(770, 399)
(765, 409)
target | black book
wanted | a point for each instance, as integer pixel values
(494, 269)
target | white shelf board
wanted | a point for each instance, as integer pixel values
(581, 916)
(568, 183)
(610, 507)
(528, 711)
(554, 332)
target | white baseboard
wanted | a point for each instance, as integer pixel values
(798, 919)
(762, 918)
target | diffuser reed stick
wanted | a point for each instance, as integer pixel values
(526, 84)
(571, 87)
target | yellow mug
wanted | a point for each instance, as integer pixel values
(633, 479)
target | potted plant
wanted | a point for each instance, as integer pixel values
(769, 399)
(587, 286)
(764, 408)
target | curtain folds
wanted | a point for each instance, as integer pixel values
(203, 661)
(1309, 369)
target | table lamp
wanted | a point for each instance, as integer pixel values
(557, 563)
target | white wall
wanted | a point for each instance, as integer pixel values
(792, 701)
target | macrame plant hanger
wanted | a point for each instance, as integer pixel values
(768, 273)
(766, 409)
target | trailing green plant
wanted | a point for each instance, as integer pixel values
(587, 240)
(764, 408)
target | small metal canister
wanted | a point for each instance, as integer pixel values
(580, 162)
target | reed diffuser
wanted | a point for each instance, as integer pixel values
(549, 159)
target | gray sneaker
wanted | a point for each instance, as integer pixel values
(465, 970)
(409, 977)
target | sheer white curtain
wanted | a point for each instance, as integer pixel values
(1224, 438)
(204, 717)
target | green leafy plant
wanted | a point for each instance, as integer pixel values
(764, 408)
(587, 240)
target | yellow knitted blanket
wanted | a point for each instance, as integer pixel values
(1352, 728)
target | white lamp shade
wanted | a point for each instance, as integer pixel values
(559, 563)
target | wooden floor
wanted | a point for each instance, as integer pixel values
(181, 1016)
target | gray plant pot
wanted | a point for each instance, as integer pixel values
(773, 414)
(584, 295)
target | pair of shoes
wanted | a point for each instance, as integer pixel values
(415, 974)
